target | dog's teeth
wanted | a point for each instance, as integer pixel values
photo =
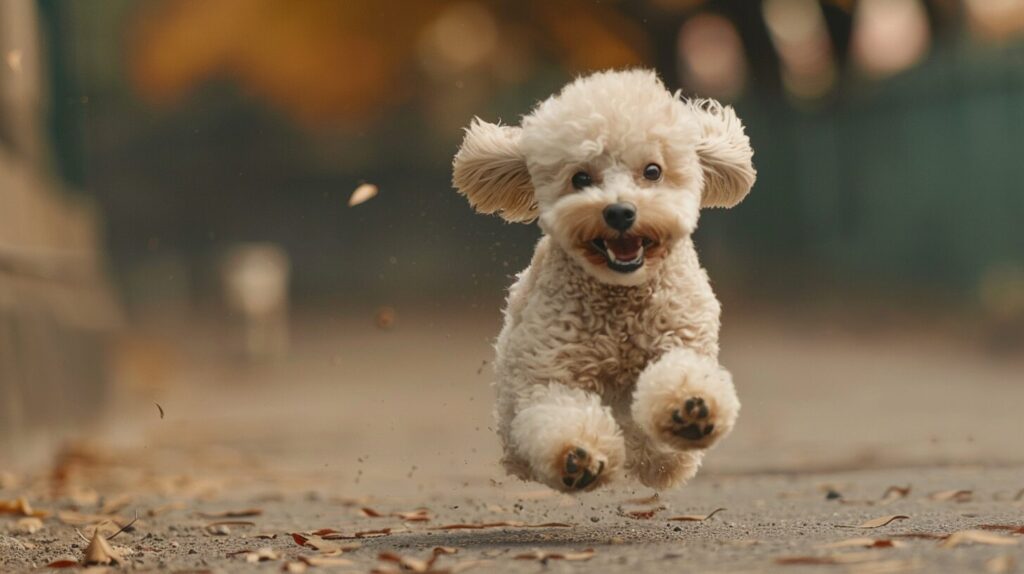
(639, 257)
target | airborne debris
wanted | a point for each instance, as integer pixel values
(14, 60)
(362, 194)
(159, 408)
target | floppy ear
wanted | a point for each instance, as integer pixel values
(490, 170)
(725, 154)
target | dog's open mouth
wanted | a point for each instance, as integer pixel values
(624, 254)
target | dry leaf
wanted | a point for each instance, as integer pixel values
(642, 513)
(222, 527)
(696, 517)
(406, 562)
(511, 523)
(317, 560)
(951, 495)
(895, 493)
(262, 555)
(161, 409)
(418, 515)
(315, 542)
(877, 522)
(363, 193)
(543, 556)
(64, 564)
(1012, 528)
(645, 500)
(977, 537)
(439, 550)
(840, 558)
(864, 543)
(28, 525)
(920, 535)
(100, 552)
(248, 512)
(21, 506)
(1001, 564)
(295, 566)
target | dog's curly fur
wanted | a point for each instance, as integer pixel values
(604, 371)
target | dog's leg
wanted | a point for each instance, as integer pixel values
(566, 437)
(656, 464)
(685, 400)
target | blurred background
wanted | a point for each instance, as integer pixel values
(177, 219)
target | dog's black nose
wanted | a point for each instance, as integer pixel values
(620, 216)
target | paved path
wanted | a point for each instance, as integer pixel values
(396, 420)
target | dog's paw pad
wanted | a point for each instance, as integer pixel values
(694, 421)
(580, 469)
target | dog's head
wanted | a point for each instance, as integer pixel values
(615, 167)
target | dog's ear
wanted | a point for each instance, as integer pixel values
(490, 170)
(725, 154)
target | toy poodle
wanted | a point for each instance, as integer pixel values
(607, 364)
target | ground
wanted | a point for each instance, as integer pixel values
(363, 420)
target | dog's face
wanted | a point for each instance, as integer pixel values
(615, 167)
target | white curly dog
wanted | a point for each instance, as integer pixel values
(607, 364)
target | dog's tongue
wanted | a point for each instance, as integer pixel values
(625, 248)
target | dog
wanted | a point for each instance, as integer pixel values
(607, 363)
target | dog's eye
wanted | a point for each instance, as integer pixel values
(581, 179)
(652, 172)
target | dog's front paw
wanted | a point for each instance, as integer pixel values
(694, 422)
(686, 401)
(581, 469)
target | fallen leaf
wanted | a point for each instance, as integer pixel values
(1012, 528)
(439, 550)
(161, 409)
(100, 552)
(262, 555)
(1001, 564)
(363, 193)
(418, 515)
(29, 525)
(322, 544)
(920, 535)
(641, 513)
(644, 500)
(951, 495)
(73, 518)
(977, 537)
(877, 522)
(406, 562)
(248, 512)
(510, 523)
(63, 564)
(295, 566)
(543, 556)
(696, 517)
(840, 558)
(21, 506)
(895, 493)
(864, 543)
(316, 560)
(222, 527)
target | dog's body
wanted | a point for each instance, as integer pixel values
(608, 358)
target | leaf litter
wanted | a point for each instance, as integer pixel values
(508, 523)
(544, 556)
(695, 517)
(978, 537)
(877, 522)
(952, 496)
(418, 515)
